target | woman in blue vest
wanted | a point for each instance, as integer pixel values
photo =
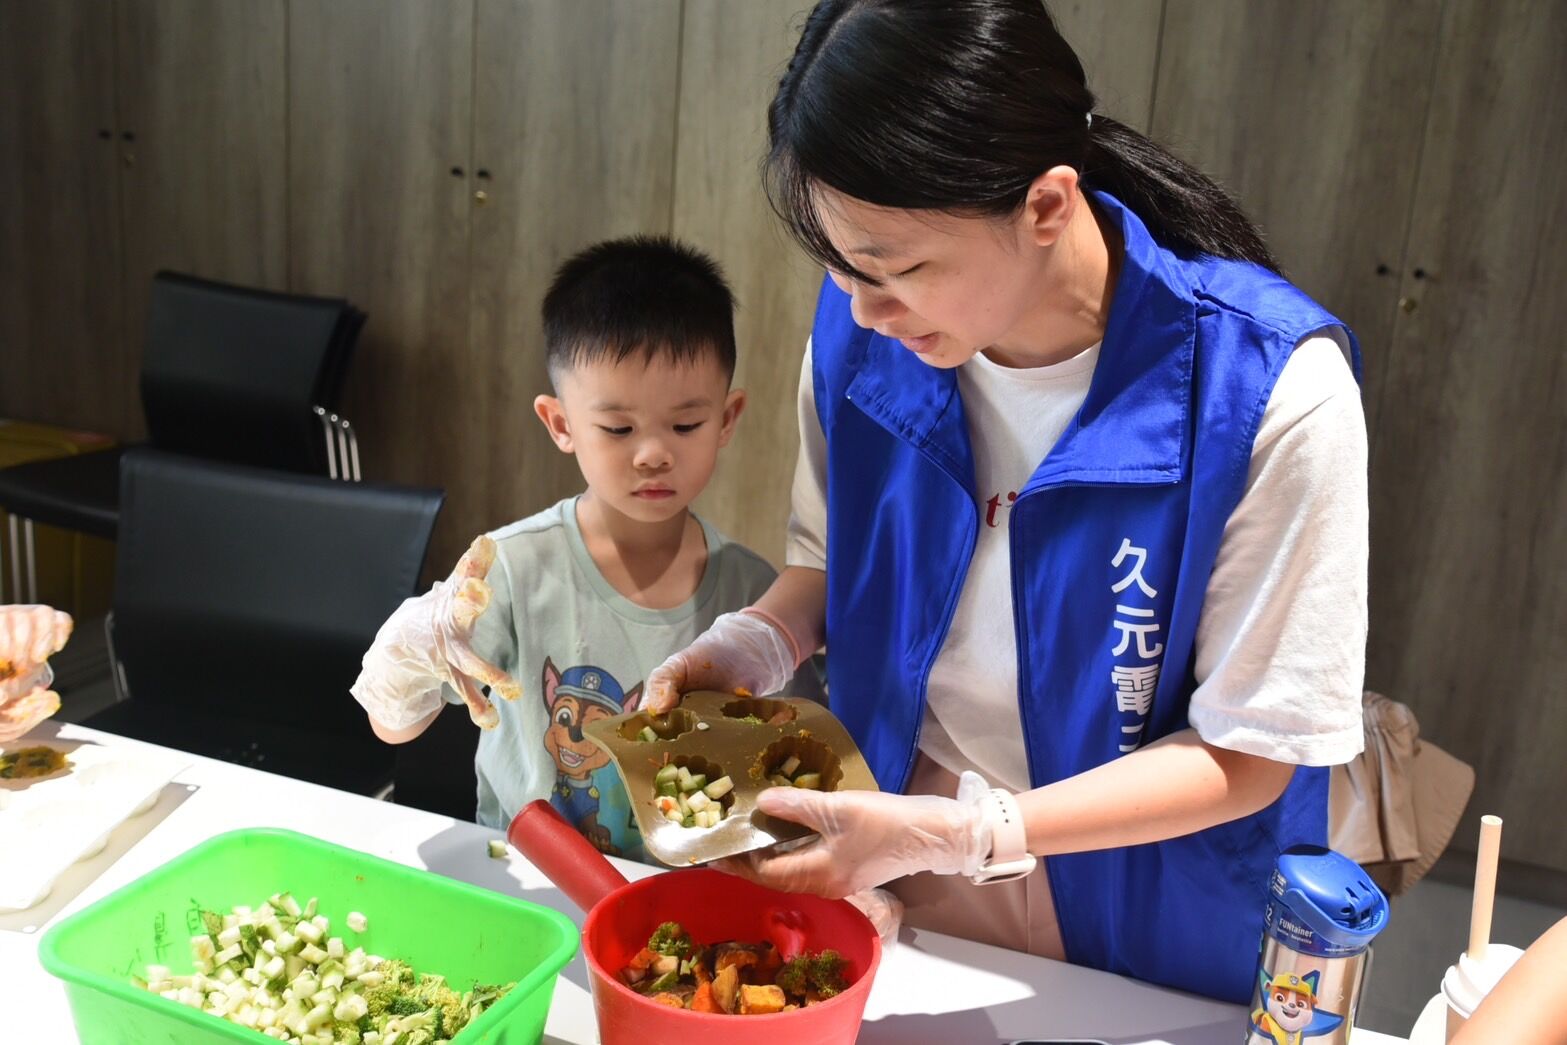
(1080, 512)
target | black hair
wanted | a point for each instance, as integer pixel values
(957, 106)
(647, 295)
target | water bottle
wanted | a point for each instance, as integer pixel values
(1322, 914)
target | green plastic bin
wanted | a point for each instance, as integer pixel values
(438, 925)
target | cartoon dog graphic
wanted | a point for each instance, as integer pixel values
(1289, 1012)
(574, 698)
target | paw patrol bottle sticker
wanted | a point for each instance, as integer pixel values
(1321, 916)
(1288, 1012)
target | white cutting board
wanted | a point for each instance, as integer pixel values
(49, 823)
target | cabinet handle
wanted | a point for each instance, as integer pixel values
(481, 197)
(1408, 304)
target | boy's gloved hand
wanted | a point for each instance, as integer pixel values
(869, 837)
(29, 636)
(744, 650)
(425, 642)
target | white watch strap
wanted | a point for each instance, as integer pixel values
(1009, 856)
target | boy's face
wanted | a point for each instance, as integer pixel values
(646, 434)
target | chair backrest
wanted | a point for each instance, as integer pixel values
(257, 592)
(233, 373)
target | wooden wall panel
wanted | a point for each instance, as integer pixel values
(203, 177)
(381, 114)
(60, 334)
(732, 57)
(1118, 44)
(1313, 115)
(574, 120)
(1469, 524)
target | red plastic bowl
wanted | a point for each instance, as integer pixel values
(712, 907)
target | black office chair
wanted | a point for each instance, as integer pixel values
(244, 599)
(228, 373)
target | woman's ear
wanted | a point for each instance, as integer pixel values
(553, 416)
(734, 406)
(1047, 209)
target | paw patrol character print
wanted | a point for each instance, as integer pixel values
(574, 698)
(1289, 1011)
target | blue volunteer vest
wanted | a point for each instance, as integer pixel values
(1113, 539)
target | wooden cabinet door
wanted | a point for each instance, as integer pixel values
(574, 119)
(731, 58)
(1469, 509)
(1313, 115)
(202, 102)
(380, 123)
(66, 359)
(1118, 43)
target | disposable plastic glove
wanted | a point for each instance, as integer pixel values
(29, 636)
(884, 910)
(427, 641)
(868, 837)
(744, 650)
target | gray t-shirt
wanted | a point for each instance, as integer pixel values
(581, 650)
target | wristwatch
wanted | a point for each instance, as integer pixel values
(1009, 857)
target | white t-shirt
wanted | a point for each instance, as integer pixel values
(1281, 640)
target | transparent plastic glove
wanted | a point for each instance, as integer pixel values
(425, 642)
(744, 650)
(868, 837)
(29, 636)
(884, 910)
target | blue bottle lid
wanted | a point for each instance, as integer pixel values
(1324, 903)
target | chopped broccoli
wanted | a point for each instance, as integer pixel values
(794, 977)
(826, 971)
(821, 972)
(670, 939)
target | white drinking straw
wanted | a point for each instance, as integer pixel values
(1485, 886)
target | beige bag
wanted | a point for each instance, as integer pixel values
(1394, 808)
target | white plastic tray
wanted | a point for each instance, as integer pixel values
(49, 823)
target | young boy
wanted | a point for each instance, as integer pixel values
(588, 596)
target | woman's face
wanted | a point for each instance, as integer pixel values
(950, 286)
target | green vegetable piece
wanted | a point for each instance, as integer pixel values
(666, 774)
(647, 734)
(665, 982)
(670, 939)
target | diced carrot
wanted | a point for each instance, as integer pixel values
(741, 691)
(703, 1000)
(674, 1001)
(644, 958)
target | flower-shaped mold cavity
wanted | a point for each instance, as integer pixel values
(763, 712)
(665, 727)
(798, 761)
(674, 789)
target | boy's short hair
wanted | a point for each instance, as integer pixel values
(642, 294)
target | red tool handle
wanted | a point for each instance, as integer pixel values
(555, 847)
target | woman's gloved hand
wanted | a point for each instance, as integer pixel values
(884, 910)
(868, 837)
(426, 642)
(744, 650)
(29, 636)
